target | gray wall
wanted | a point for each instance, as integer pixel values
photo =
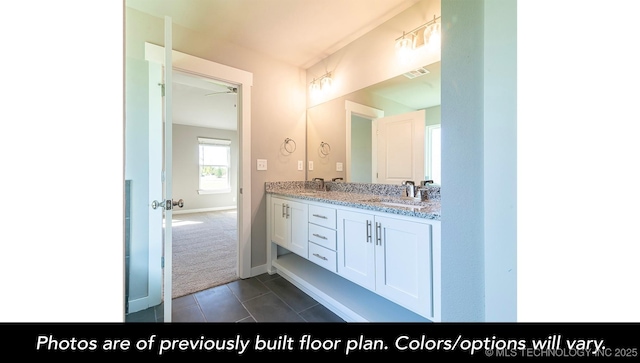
(360, 149)
(185, 167)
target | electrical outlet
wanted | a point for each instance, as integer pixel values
(310, 165)
(262, 164)
(338, 166)
(300, 165)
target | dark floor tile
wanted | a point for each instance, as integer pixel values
(266, 277)
(249, 319)
(183, 302)
(269, 308)
(248, 288)
(290, 294)
(320, 314)
(219, 304)
(142, 316)
(188, 314)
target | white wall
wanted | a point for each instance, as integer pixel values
(185, 168)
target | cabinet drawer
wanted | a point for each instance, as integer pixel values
(322, 216)
(323, 236)
(322, 256)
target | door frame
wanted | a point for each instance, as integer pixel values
(244, 80)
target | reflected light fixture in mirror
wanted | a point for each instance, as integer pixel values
(404, 45)
(425, 36)
(321, 85)
(432, 35)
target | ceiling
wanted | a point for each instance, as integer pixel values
(278, 28)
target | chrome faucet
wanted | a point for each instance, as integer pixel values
(321, 186)
(410, 188)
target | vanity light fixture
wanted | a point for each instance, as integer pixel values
(427, 34)
(322, 84)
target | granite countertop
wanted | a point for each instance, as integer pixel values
(388, 201)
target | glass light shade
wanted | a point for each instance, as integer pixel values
(432, 35)
(327, 83)
(404, 47)
(404, 43)
(314, 89)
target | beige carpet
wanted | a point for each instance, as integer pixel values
(204, 251)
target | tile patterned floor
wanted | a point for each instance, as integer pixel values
(264, 298)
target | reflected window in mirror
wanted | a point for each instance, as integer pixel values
(432, 154)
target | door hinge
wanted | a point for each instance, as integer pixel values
(240, 190)
(162, 88)
(162, 261)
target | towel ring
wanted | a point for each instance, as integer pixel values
(287, 146)
(325, 148)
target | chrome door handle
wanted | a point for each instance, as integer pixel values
(288, 211)
(155, 204)
(167, 204)
(378, 234)
(368, 231)
(179, 203)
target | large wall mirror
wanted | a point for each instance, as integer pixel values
(372, 136)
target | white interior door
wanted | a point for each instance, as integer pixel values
(398, 143)
(161, 201)
(166, 175)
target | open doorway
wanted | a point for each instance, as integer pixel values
(205, 173)
(146, 263)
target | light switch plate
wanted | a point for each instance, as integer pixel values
(310, 165)
(262, 164)
(300, 165)
(338, 166)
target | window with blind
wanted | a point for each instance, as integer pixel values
(214, 165)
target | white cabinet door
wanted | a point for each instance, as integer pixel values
(404, 263)
(298, 219)
(289, 226)
(355, 252)
(279, 222)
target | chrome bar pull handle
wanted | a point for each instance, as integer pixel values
(319, 236)
(283, 215)
(368, 231)
(320, 256)
(288, 211)
(378, 234)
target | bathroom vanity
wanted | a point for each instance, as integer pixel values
(361, 250)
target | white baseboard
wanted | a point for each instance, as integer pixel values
(259, 270)
(138, 304)
(214, 209)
